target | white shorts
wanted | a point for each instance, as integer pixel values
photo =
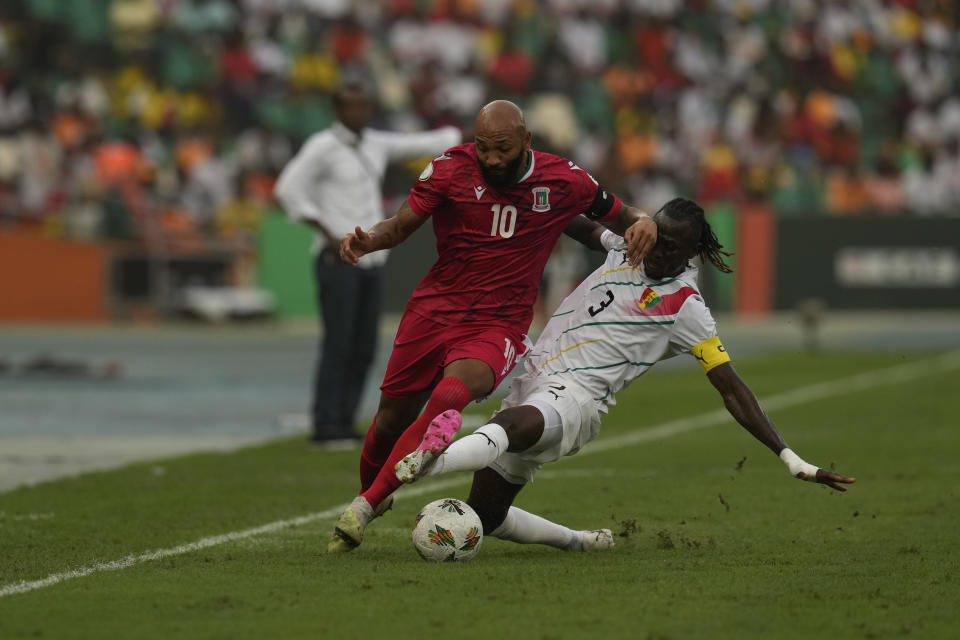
(580, 421)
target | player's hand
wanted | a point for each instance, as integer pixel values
(800, 468)
(640, 237)
(354, 245)
(829, 478)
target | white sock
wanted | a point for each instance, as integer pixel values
(527, 528)
(363, 510)
(472, 452)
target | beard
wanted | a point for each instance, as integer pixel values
(503, 177)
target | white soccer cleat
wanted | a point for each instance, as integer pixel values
(435, 441)
(597, 540)
(348, 530)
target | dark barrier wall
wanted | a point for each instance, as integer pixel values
(868, 263)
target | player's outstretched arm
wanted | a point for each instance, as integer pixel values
(638, 229)
(383, 235)
(586, 232)
(743, 406)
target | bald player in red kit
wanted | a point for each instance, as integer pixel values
(498, 208)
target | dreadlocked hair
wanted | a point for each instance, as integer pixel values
(708, 247)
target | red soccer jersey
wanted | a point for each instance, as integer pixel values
(492, 244)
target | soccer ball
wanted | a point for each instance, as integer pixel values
(447, 530)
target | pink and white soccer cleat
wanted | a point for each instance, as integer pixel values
(435, 441)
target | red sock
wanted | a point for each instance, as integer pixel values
(376, 449)
(450, 393)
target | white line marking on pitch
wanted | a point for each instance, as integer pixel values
(204, 543)
(803, 395)
(25, 516)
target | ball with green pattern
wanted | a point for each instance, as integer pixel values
(447, 530)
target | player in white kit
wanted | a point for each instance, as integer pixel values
(618, 323)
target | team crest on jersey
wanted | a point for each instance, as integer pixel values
(653, 304)
(649, 299)
(541, 198)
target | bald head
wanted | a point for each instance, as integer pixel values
(500, 117)
(502, 143)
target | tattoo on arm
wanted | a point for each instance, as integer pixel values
(394, 230)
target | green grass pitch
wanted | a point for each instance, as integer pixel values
(713, 538)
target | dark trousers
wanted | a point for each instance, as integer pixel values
(349, 302)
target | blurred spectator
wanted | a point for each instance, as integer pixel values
(583, 40)
(238, 218)
(926, 73)
(209, 185)
(884, 185)
(15, 104)
(847, 192)
(133, 23)
(200, 17)
(927, 185)
(38, 178)
(238, 81)
(718, 173)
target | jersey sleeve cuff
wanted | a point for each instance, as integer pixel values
(614, 210)
(415, 207)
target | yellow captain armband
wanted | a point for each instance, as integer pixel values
(710, 353)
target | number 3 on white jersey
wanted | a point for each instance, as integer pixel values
(504, 222)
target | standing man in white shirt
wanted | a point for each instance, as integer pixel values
(333, 185)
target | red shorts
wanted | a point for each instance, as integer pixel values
(423, 348)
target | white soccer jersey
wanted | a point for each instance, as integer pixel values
(618, 323)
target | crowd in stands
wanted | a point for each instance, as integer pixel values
(167, 121)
